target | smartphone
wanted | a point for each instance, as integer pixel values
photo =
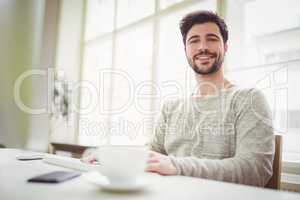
(55, 177)
(30, 157)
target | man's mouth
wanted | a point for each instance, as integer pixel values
(204, 58)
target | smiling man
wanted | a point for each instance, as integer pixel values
(220, 132)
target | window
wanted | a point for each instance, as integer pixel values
(132, 49)
(264, 51)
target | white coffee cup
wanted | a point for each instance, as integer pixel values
(122, 164)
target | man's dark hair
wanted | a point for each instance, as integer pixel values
(201, 17)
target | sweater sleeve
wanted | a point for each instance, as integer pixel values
(157, 140)
(252, 162)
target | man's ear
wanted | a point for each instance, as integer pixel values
(225, 47)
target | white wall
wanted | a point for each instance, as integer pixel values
(41, 94)
(20, 32)
(28, 42)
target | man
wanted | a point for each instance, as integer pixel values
(221, 132)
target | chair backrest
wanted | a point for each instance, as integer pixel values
(274, 182)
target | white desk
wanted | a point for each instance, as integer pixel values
(14, 173)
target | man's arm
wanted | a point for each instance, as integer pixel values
(157, 140)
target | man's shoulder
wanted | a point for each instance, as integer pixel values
(251, 96)
(247, 93)
(174, 102)
(176, 105)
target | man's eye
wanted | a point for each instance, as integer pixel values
(212, 39)
(194, 41)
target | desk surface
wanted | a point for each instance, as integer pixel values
(14, 173)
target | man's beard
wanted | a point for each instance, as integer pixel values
(213, 68)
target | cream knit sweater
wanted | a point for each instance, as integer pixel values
(227, 137)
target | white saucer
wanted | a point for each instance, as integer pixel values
(103, 182)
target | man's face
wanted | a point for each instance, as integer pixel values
(204, 48)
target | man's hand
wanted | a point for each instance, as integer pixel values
(161, 164)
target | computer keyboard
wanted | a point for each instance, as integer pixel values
(71, 163)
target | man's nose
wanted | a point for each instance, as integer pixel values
(202, 46)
